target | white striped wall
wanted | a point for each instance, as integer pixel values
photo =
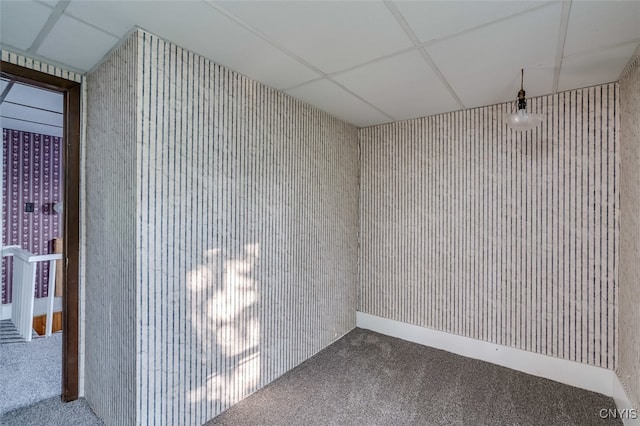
(470, 228)
(246, 234)
(111, 287)
(629, 318)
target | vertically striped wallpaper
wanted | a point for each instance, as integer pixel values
(32, 173)
(629, 300)
(247, 234)
(470, 228)
(111, 335)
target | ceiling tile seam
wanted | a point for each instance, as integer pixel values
(434, 67)
(414, 39)
(258, 33)
(55, 15)
(289, 53)
(562, 38)
(355, 67)
(602, 48)
(486, 24)
(422, 44)
(373, 61)
(44, 4)
(102, 30)
(355, 95)
(304, 83)
(340, 85)
(6, 91)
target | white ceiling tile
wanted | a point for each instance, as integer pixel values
(334, 100)
(593, 25)
(593, 68)
(76, 44)
(331, 36)
(35, 97)
(109, 16)
(435, 19)
(203, 30)
(21, 22)
(403, 86)
(483, 66)
(49, 3)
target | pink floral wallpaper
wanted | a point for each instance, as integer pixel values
(32, 167)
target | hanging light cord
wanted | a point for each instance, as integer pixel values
(522, 101)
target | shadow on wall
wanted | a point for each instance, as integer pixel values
(227, 326)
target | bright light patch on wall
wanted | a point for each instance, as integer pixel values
(227, 323)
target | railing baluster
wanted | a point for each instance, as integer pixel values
(50, 296)
(24, 285)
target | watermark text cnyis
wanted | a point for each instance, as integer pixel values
(618, 413)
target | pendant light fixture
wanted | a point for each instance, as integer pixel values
(521, 119)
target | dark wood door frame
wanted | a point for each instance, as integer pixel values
(71, 215)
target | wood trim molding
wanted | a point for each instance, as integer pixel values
(71, 253)
(35, 78)
(71, 250)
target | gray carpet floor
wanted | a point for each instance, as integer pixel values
(31, 371)
(52, 412)
(370, 379)
(30, 385)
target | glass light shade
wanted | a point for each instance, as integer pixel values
(521, 120)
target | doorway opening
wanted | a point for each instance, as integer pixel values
(66, 210)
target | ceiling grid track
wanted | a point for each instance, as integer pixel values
(421, 44)
(486, 24)
(6, 91)
(562, 37)
(355, 67)
(423, 52)
(291, 54)
(48, 26)
(584, 44)
(55, 15)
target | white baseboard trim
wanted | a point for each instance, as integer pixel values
(572, 373)
(625, 407)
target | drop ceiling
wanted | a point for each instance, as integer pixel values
(30, 109)
(367, 62)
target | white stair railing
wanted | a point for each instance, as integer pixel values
(24, 284)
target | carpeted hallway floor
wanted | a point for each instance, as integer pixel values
(371, 379)
(30, 385)
(31, 371)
